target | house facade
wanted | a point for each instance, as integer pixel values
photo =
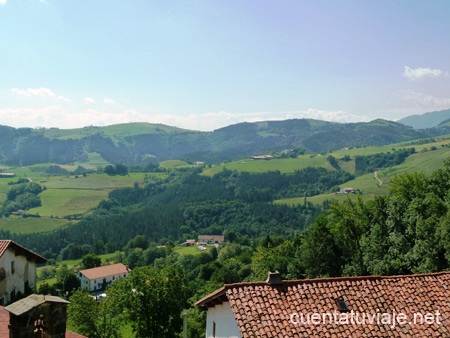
(373, 306)
(211, 239)
(96, 279)
(17, 270)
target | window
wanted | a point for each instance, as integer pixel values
(214, 330)
(342, 305)
(12, 267)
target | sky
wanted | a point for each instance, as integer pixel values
(206, 64)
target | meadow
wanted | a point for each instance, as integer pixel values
(64, 196)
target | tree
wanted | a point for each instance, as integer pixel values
(154, 299)
(91, 260)
(109, 170)
(92, 318)
(320, 254)
(66, 280)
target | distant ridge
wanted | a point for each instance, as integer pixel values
(427, 120)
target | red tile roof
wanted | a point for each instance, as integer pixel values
(8, 244)
(4, 321)
(287, 310)
(105, 271)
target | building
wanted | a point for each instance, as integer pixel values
(99, 278)
(17, 270)
(35, 316)
(374, 306)
(210, 239)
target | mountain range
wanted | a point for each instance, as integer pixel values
(138, 143)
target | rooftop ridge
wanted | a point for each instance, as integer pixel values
(226, 287)
(338, 279)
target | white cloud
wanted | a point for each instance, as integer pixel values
(422, 73)
(216, 120)
(2, 2)
(425, 101)
(39, 92)
(58, 116)
(109, 101)
(89, 100)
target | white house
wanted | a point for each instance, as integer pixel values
(17, 270)
(99, 278)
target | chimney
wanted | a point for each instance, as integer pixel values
(38, 316)
(274, 278)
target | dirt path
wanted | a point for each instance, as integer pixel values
(380, 182)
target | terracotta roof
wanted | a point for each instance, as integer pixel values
(287, 310)
(70, 334)
(8, 244)
(4, 322)
(105, 271)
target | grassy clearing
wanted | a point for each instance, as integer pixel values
(68, 195)
(172, 164)
(20, 225)
(65, 202)
(189, 250)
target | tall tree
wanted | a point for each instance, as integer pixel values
(92, 318)
(154, 299)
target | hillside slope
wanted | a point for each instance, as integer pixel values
(136, 143)
(427, 120)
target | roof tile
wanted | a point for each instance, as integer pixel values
(265, 311)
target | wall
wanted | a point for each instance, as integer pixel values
(24, 271)
(96, 284)
(225, 324)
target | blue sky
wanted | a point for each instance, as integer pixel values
(205, 64)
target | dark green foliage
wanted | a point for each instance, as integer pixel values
(118, 169)
(90, 261)
(56, 170)
(404, 232)
(22, 196)
(154, 298)
(333, 162)
(66, 281)
(370, 163)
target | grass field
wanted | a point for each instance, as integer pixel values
(189, 250)
(423, 161)
(66, 196)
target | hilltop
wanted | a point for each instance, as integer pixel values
(138, 143)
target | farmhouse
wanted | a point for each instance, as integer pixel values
(262, 157)
(99, 278)
(210, 239)
(17, 270)
(188, 242)
(373, 306)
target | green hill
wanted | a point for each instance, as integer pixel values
(138, 143)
